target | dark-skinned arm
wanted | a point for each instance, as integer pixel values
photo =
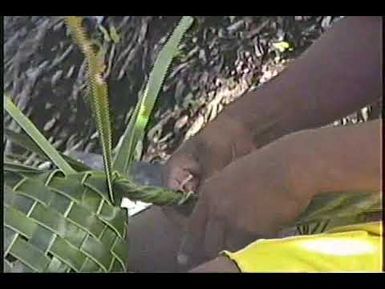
(339, 74)
(267, 190)
(337, 159)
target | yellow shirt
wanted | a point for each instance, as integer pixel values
(353, 248)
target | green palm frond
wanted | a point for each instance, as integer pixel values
(67, 223)
(70, 220)
(338, 209)
(135, 131)
(27, 143)
(57, 223)
(99, 92)
(37, 136)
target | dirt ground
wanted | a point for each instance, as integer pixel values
(220, 58)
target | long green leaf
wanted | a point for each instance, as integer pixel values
(27, 143)
(14, 167)
(99, 93)
(37, 136)
(340, 208)
(135, 131)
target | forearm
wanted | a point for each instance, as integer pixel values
(338, 74)
(336, 159)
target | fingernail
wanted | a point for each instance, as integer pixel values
(182, 259)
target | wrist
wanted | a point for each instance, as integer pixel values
(221, 142)
(270, 112)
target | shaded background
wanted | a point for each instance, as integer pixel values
(221, 57)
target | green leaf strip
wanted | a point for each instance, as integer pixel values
(136, 128)
(37, 136)
(99, 95)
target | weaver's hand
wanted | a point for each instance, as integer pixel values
(265, 191)
(250, 198)
(212, 149)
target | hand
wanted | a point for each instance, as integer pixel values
(265, 191)
(252, 197)
(213, 148)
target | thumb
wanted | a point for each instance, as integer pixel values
(183, 173)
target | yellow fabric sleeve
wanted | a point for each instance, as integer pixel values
(355, 248)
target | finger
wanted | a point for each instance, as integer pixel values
(174, 176)
(185, 181)
(187, 184)
(193, 175)
(214, 237)
(194, 236)
(191, 185)
(178, 171)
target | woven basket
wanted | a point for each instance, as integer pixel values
(55, 223)
(62, 224)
